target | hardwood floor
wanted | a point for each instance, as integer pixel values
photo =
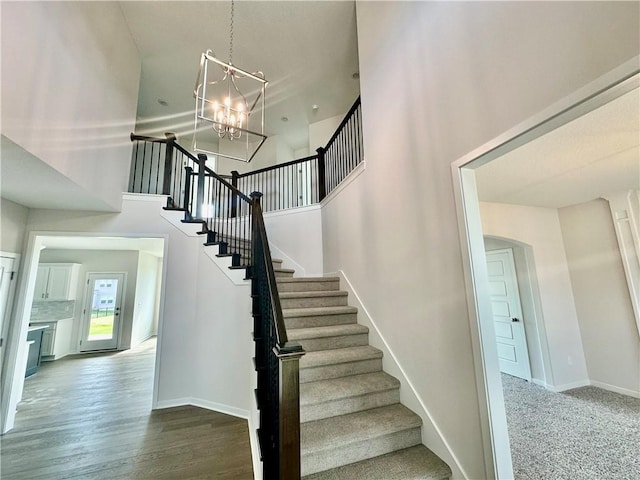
(89, 417)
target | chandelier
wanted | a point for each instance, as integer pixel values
(236, 119)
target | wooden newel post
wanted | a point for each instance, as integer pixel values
(234, 195)
(202, 159)
(289, 417)
(168, 164)
(322, 189)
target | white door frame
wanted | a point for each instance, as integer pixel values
(6, 322)
(87, 297)
(493, 419)
(11, 388)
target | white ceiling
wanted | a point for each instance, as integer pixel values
(307, 51)
(596, 154)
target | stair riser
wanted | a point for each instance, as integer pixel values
(313, 462)
(309, 302)
(329, 343)
(313, 374)
(310, 286)
(321, 320)
(344, 406)
(284, 275)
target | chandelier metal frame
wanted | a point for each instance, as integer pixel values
(230, 115)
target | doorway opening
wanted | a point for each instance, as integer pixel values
(522, 191)
(109, 298)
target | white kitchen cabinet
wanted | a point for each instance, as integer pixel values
(56, 339)
(56, 281)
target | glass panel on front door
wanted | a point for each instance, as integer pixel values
(103, 309)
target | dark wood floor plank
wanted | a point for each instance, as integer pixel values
(89, 417)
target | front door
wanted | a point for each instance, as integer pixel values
(101, 314)
(507, 314)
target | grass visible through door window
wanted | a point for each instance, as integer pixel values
(101, 325)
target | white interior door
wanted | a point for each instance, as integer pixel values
(507, 314)
(102, 311)
(7, 284)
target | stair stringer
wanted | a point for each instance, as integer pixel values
(175, 217)
(432, 436)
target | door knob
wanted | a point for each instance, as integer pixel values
(514, 319)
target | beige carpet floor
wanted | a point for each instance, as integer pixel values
(582, 434)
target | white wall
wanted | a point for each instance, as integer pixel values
(439, 79)
(99, 261)
(70, 75)
(295, 236)
(540, 228)
(186, 358)
(13, 220)
(607, 324)
(145, 309)
(320, 132)
(222, 347)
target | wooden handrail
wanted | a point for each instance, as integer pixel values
(261, 231)
(278, 383)
(344, 121)
(213, 174)
(279, 165)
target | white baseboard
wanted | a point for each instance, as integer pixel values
(587, 383)
(540, 383)
(207, 404)
(568, 386)
(408, 392)
(613, 388)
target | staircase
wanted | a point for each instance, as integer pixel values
(352, 424)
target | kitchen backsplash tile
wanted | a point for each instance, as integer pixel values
(52, 310)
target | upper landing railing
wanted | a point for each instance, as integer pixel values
(309, 180)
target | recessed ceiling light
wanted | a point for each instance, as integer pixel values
(356, 75)
(284, 119)
(164, 103)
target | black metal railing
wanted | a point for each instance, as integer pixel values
(227, 214)
(309, 180)
(344, 150)
(235, 223)
(287, 185)
(161, 166)
(277, 364)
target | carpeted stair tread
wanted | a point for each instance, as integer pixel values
(284, 270)
(344, 395)
(308, 279)
(345, 439)
(413, 463)
(313, 311)
(313, 294)
(351, 386)
(345, 429)
(323, 332)
(339, 355)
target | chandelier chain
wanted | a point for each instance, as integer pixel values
(231, 35)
